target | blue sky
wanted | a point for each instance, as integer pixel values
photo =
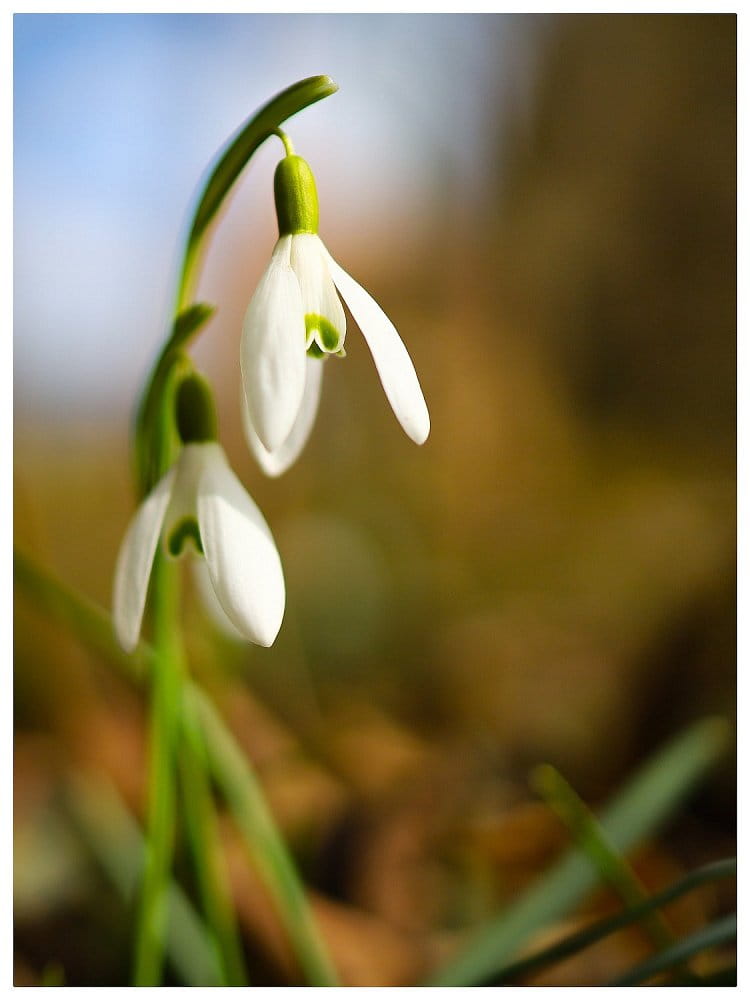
(116, 117)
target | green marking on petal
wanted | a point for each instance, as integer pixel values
(184, 531)
(324, 332)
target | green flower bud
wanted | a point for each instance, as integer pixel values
(195, 410)
(296, 197)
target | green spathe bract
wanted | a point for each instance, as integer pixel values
(296, 197)
(195, 410)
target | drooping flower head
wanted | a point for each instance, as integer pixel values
(200, 504)
(295, 321)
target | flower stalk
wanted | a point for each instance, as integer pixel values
(203, 832)
(157, 443)
(227, 764)
(161, 809)
(188, 319)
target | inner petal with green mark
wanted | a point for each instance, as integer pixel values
(322, 334)
(186, 530)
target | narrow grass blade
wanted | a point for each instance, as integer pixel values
(201, 821)
(720, 932)
(248, 807)
(85, 619)
(603, 928)
(119, 847)
(589, 836)
(648, 799)
(92, 624)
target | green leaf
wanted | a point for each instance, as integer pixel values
(237, 153)
(720, 932)
(646, 802)
(593, 841)
(247, 805)
(117, 843)
(87, 620)
(603, 928)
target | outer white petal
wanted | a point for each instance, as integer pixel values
(272, 353)
(135, 560)
(391, 358)
(215, 611)
(309, 261)
(273, 463)
(241, 555)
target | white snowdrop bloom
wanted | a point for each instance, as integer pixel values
(200, 502)
(295, 321)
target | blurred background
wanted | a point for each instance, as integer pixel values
(546, 208)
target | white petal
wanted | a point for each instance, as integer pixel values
(243, 563)
(391, 358)
(272, 354)
(188, 471)
(205, 588)
(134, 563)
(319, 298)
(273, 463)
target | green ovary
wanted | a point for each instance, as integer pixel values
(184, 531)
(326, 338)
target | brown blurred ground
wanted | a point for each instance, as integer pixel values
(552, 577)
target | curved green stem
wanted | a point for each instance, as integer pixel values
(232, 161)
(152, 457)
(165, 687)
(288, 144)
(203, 832)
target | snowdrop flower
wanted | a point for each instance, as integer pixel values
(295, 321)
(200, 503)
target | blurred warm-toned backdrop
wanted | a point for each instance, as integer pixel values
(546, 209)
